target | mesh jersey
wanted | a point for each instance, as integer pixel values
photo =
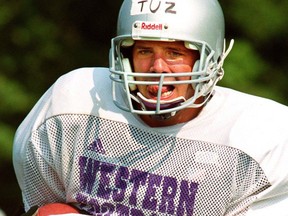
(76, 146)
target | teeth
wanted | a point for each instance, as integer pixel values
(166, 91)
(165, 94)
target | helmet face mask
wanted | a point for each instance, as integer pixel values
(198, 23)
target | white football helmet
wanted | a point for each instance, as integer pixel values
(198, 23)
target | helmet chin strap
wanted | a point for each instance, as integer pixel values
(150, 104)
(162, 117)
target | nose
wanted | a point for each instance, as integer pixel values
(159, 66)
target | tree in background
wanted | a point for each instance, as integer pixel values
(42, 40)
(258, 61)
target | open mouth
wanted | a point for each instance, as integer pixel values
(166, 91)
(151, 104)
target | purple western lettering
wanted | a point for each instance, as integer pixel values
(187, 198)
(95, 207)
(167, 204)
(137, 177)
(107, 208)
(104, 191)
(161, 191)
(150, 200)
(136, 212)
(88, 171)
(81, 198)
(120, 184)
(122, 210)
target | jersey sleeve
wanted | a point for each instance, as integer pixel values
(262, 133)
(274, 200)
(37, 172)
(29, 161)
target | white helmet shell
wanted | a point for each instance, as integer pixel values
(184, 20)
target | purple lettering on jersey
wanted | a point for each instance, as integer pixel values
(120, 184)
(167, 204)
(81, 198)
(107, 209)
(122, 209)
(88, 172)
(137, 178)
(187, 198)
(95, 207)
(150, 200)
(104, 191)
(136, 212)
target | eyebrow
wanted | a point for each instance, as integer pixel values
(143, 47)
(165, 47)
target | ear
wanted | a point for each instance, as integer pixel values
(127, 68)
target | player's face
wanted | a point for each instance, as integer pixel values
(164, 57)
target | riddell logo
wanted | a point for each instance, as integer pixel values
(151, 26)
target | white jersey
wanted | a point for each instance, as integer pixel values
(76, 146)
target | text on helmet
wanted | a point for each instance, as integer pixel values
(153, 6)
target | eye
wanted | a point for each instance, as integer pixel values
(144, 52)
(173, 54)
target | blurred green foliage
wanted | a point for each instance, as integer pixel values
(42, 40)
(258, 61)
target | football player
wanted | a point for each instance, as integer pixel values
(153, 134)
